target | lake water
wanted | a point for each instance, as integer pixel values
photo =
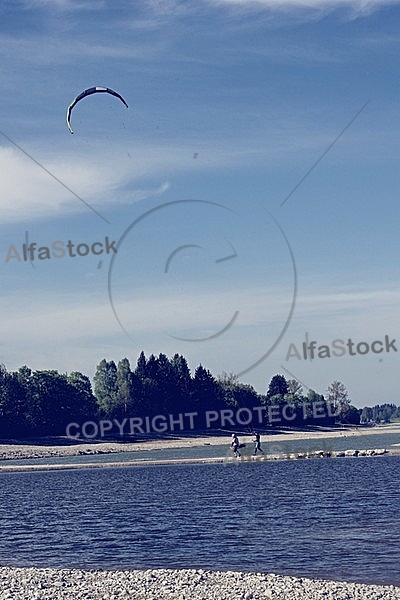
(336, 519)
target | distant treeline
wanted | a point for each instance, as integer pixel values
(45, 402)
(380, 413)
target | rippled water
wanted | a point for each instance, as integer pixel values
(337, 519)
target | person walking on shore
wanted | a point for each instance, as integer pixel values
(257, 443)
(235, 445)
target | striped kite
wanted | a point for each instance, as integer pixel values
(89, 92)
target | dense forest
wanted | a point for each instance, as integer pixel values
(45, 402)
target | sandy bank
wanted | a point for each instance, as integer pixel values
(226, 460)
(21, 450)
(188, 584)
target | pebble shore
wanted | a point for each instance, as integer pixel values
(187, 584)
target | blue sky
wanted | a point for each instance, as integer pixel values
(231, 102)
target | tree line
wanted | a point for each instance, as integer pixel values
(45, 402)
(380, 413)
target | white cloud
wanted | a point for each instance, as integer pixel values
(278, 4)
(86, 320)
(68, 331)
(105, 173)
(357, 7)
(76, 317)
(179, 7)
(30, 193)
(99, 176)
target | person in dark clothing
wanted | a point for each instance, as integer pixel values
(257, 443)
(235, 445)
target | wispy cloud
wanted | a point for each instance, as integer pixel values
(77, 319)
(100, 173)
(99, 177)
(181, 8)
(29, 193)
(65, 5)
(50, 50)
(356, 7)
(80, 322)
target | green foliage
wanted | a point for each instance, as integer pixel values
(105, 386)
(380, 413)
(294, 388)
(277, 387)
(123, 385)
(338, 397)
(351, 416)
(237, 395)
(141, 367)
(45, 402)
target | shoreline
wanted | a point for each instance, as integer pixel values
(182, 584)
(27, 449)
(231, 460)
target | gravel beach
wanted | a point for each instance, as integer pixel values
(188, 584)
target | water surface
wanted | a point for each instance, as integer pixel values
(337, 519)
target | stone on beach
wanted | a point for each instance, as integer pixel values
(185, 584)
(351, 453)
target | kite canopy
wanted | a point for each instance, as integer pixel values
(89, 92)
